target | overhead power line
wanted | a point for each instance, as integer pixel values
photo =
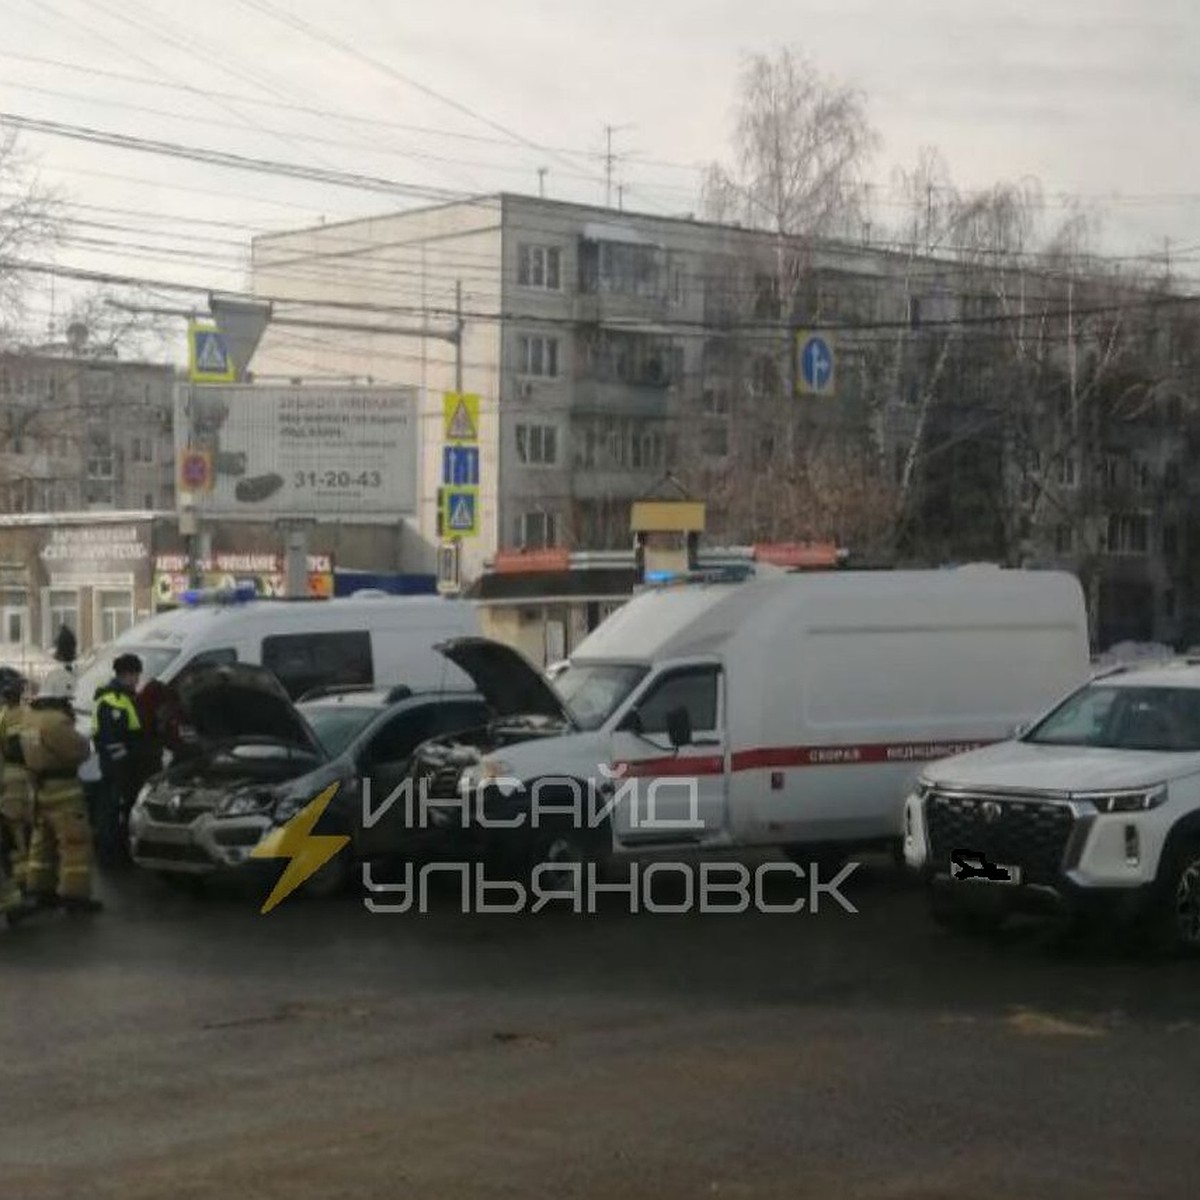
(683, 327)
(240, 162)
(327, 38)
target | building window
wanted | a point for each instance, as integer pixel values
(537, 445)
(1172, 475)
(14, 616)
(645, 360)
(540, 267)
(114, 615)
(1128, 533)
(538, 355)
(1066, 472)
(536, 530)
(61, 607)
(629, 270)
(678, 285)
(1168, 599)
(648, 450)
(148, 501)
(1064, 540)
(1170, 541)
(142, 450)
(100, 456)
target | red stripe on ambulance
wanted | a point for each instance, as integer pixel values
(776, 757)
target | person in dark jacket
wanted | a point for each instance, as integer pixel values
(119, 737)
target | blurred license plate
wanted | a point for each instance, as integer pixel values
(997, 874)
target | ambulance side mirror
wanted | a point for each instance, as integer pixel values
(679, 727)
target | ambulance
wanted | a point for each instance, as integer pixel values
(793, 711)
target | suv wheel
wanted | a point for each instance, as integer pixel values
(1181, 899)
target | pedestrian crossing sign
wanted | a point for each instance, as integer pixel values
(461, 416)
(460, 512)
(209, 360)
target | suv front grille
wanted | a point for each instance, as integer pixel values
(1011, 831)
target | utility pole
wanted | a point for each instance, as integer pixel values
(610, 160)
(621, 197)
(458, 337)
(542, 182)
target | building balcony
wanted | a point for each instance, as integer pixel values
(612, 482)
(596, 308)
(603, 398)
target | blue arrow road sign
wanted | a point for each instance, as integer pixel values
(460, 466)
(816, 364)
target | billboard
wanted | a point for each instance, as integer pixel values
(173, 577)
(305, 452)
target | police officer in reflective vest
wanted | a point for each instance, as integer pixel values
(117, 733)
(59, 873)
(16, 803)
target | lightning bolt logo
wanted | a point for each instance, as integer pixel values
(296, 841)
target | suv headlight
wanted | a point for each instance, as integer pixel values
(1137, 800)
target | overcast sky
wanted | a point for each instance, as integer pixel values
(1099, 100)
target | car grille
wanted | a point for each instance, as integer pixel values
(173, 852)
(185, 814)
(1011, 831)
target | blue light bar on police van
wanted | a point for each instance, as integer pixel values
(238, 594)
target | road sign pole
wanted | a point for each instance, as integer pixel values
(458, 338)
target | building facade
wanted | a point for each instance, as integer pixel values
(984, 408)
(83, 432)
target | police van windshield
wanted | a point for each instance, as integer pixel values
(96, 670)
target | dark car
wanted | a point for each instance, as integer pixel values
(256, 759)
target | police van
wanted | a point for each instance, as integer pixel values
(307, 644)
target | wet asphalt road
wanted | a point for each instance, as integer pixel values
(183, 1047)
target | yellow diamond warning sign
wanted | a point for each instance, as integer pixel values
(461, 414)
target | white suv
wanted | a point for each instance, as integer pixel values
(1099, 801)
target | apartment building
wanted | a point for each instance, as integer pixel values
(598, 341)
(82, 432)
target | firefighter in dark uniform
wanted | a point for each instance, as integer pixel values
(117, 733)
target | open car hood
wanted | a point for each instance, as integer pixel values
(505, 678)
(240, 702)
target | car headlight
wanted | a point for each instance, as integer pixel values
(143, 795)
(1137, 800)
(242, 804)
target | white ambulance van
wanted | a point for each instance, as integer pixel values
(798, 709)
